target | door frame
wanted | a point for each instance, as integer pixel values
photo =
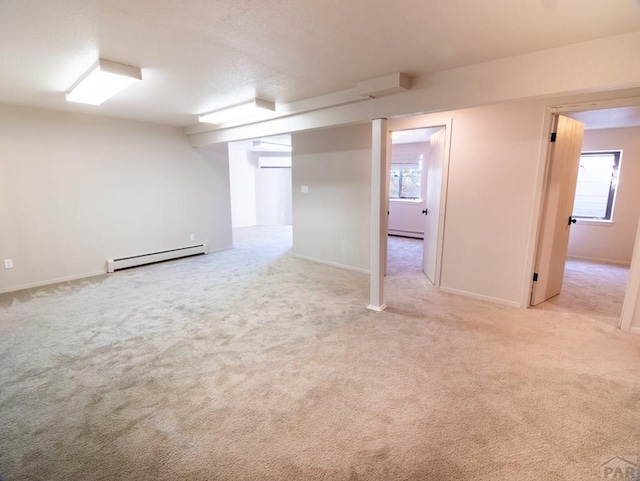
(632, 296)
(380, 198)
(424, 122)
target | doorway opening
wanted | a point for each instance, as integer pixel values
(595, 267)
(407, 200)
(260, 188)
(415, 172)
(591, 288)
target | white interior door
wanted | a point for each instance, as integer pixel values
(556, 217)
(433, 199)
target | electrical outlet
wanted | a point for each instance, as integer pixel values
(8, 263)
(192, 237)
(304, 189)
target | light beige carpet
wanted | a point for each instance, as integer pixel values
(592, 289)
(250, 364)
(589, 288)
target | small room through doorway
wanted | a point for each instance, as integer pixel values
(407, 200)
(387, 267)
(417, 166)
(260, 188)
(601, 244)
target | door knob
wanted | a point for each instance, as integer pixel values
(425, 211)
(571, 220)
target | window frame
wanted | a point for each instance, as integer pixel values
(613, 188)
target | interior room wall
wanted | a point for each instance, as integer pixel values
(242, 179)
(495, 152)
(613, 242)
(76, 190)
(332, 222)
(491, 189)
(259, 196)
(405, 216)
(495, 155)
(273, 196)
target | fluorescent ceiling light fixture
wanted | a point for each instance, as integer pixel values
(239, 111)
(267, 145)
(104, 80)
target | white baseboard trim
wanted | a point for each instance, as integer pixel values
(332, 264)
(49, 282)
(600, 261)
(377, 308)
(57, 280)
(635, 330)
(405, 233)
(480, 297)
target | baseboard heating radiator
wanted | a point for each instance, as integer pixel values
(140, 260)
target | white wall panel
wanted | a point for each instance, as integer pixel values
(76, 190)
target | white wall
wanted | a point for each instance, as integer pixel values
(493, 176)
(331, 223)
(492, 180)
(76, 190)
(273, 196)
(259, 196)
(613, 242)
(405, 216)
(242, 179)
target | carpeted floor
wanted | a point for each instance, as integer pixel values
(590, 288)
(250, 364)
(593, 289)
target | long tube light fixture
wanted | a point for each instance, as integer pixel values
(102, 81)
(243, 110)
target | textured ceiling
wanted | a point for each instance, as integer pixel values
(198, 55)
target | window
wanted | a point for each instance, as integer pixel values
(406, 177)
(596, 187)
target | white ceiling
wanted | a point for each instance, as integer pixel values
(199, 55)
(413, 135)
(609, 118)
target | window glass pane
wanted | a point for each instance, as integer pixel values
(411, 184)
(595, 177)
(394, 187)
(406, 177)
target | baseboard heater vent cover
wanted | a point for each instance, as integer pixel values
(152, 257)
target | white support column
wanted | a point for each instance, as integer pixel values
(379, 213)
